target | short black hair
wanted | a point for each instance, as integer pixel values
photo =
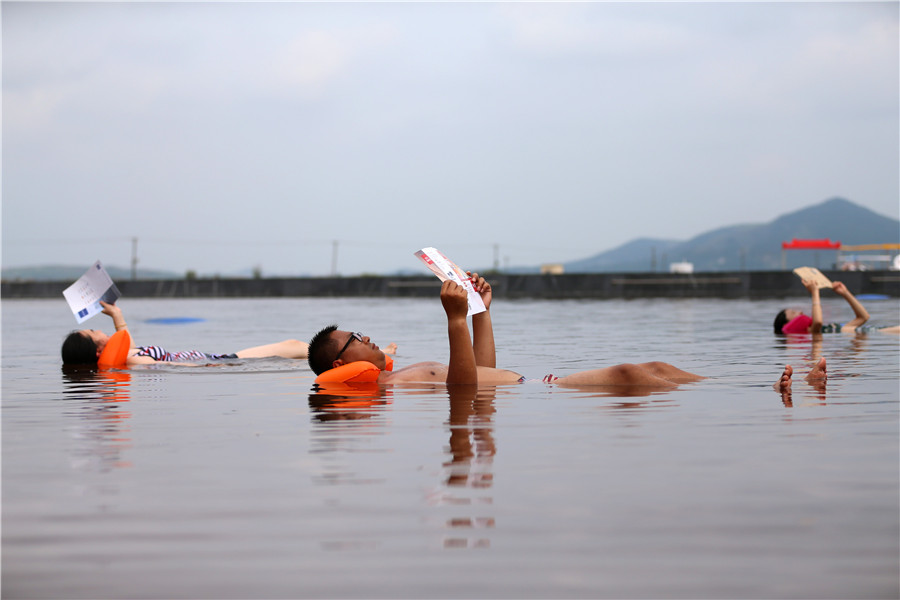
(780, 321)
(79, 349)
(322, 350)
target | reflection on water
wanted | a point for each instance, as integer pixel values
(96, 398)
(344, 415)
(469, 472)
(347, 401)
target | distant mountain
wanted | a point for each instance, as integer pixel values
(753, 247)
(71, 273)
(643, 254)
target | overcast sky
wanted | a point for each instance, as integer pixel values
(228, 136)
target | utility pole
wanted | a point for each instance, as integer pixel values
(134, 258)
(334, 255)
(496, 257)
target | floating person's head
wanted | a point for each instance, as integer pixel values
(331, 348)
(83, 346)
(791, 321)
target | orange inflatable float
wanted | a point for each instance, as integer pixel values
(115, 353)
(360, 371)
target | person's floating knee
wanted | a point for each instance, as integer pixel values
(628, 373)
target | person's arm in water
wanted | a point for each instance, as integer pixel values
(861, 315)
(462, 368)
(482, 329)
(816, 315)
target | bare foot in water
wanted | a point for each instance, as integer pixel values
(783, 384)
(818, 372)
(817, 378)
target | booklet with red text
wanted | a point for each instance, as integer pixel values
(445, 269)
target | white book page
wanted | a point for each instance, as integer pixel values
(445, 269)
(84, 295)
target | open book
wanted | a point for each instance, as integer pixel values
(445, 269)
(84, 295)
(813, 274)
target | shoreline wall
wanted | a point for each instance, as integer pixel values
(726, 285)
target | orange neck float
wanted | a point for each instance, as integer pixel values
(360, 371)
(115, 353)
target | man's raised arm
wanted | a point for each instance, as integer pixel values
(462, 369)
(482, 329)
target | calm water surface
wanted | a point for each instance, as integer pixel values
(237, 482)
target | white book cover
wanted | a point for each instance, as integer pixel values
(84, 295)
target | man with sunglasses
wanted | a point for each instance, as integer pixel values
(473, 360)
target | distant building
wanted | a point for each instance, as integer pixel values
(869, 256)
(552, 269)
(681, 267)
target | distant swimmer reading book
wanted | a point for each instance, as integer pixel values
(89, 347)
(93, 347)
(790, 320)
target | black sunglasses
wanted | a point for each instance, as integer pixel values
(353, 336)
